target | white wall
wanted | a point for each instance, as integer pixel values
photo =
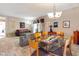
(12, 24)
(72, 15)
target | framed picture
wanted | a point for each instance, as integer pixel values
(55, 24)
(22, 24)
(66, 24)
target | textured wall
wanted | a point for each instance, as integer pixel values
(72, 15)
(12, 24)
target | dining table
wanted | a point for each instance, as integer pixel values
(57, 43)
(52, 43)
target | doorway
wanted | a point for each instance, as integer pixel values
(2, 29)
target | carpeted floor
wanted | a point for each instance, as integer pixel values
(10, 47)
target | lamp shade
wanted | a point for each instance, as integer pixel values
(54, 14)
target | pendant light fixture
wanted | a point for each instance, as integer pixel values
(55, 13)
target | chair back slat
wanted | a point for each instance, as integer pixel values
(68, 42)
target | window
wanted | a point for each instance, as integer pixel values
(35, 27)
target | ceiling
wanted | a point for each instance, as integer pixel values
(32, 9)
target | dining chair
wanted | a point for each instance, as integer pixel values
(68, 44)
(33, 45)
(37, 36)
(61, 34)
(44, 35)
(62, 51)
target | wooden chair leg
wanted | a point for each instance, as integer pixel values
(30, 50)
(64, 52)
(70, 51)
(37, 52)
(47, 48)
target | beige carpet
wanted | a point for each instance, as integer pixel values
(75, 50)
(10, 47)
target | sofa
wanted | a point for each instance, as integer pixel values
(19, 32)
